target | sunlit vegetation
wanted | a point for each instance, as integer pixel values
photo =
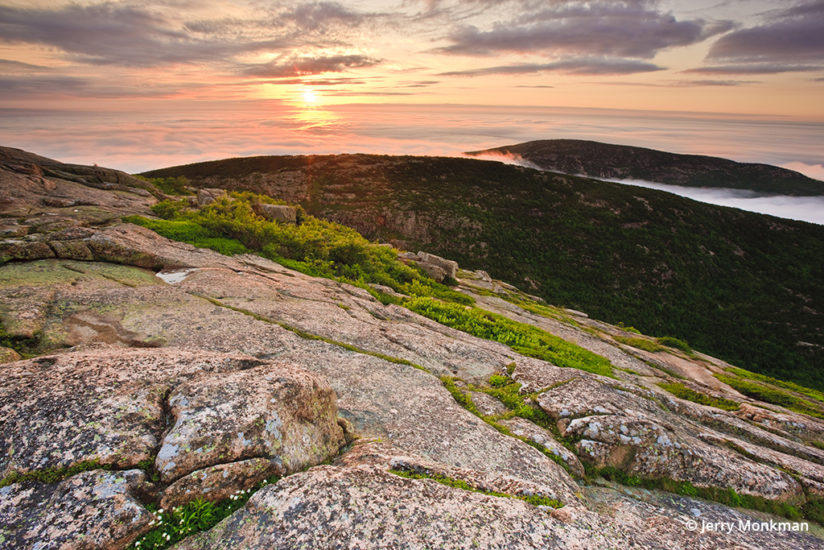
(525, 339)
(809, 392)
(313, 246)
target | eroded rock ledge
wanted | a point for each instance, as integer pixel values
(210, 424)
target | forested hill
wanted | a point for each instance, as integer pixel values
(746, 287)
(603, 160)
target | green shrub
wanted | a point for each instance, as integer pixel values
(313, 246)
(675, 343)
(169, 209)
(640, 343)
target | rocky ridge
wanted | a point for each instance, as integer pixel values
(163, 373)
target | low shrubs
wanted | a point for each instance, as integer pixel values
(525, 339)
(312, 246)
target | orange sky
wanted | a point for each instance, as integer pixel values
(298, 64)
(734, 57)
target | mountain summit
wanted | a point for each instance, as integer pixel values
(607, 161)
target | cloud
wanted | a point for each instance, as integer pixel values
(688, 83)
(11, 66)
(318, 15)
(136, 35)
(50, 86)
(754, 68)
(794, 35)
(570, 66)
(624, 28)
(809, 209)
(310, 66)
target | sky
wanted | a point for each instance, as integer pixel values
(138, 83)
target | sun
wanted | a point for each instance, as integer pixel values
(310, 97)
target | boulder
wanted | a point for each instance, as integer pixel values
(277, 212)
(206, 195)
(449, 267)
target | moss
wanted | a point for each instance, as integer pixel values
(53, 475)
(534, 500)
(682, 391)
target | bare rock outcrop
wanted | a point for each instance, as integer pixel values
(89, 510)
(210, 424)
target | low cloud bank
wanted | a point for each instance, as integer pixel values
(808, 209)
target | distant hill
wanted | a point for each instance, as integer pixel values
(603, 160)
(744, 286)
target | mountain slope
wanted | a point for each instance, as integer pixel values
(743, 286)
(603, 160)
(165, 385)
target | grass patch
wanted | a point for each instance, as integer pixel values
(811, 510)
(522, 338)
(174, 525)
(680, 390)
(770, 394)
(535, 500)
(792, 386)
(53, 475)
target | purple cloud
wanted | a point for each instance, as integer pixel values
(310, 66)
(570, 66)
(628, 29)
(794, 36)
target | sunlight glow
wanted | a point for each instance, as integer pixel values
(310, 97)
